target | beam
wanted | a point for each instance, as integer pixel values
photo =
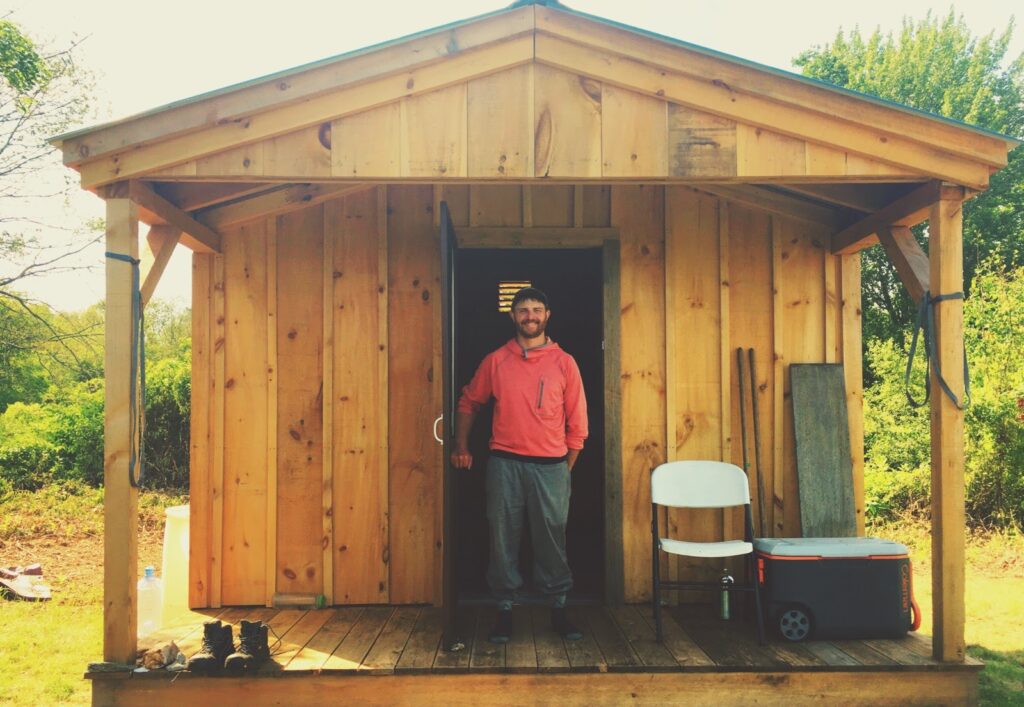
(779, 204)
(459, 68)
(861, 197)
(945, 226)
(910, 261)
(535, 237)
(160, 244)
(274, 203)
(120, 498)
(705, 95)
(908, 210)
(197, 236)
(192, 196)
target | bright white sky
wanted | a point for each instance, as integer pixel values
(145, 54)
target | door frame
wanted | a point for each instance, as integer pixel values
(607, 240)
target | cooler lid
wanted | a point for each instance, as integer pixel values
(829, 547)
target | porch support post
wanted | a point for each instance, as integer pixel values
(120, 500)
(947, 429)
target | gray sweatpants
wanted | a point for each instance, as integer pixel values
(540, 492)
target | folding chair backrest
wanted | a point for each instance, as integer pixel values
(699, 484)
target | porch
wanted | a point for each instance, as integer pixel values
(711, 661)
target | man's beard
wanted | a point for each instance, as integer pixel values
(523, 331)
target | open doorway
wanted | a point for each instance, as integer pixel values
(572, 279)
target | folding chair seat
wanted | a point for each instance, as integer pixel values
(702, 484)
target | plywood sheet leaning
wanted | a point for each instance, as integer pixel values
(415, 458)
(566, 124)
(800, 338)
(824, 471)
(638, 212)
(200, 453)
(359, 401)
(694, 357)
(300, 406)
(245, 415)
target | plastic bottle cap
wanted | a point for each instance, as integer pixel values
(150, 572)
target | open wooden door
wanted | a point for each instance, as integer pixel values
(452, 641)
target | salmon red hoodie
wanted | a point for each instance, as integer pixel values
(540, 409)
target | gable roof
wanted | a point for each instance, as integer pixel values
(549, 34)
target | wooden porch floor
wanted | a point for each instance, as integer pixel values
(397, 641)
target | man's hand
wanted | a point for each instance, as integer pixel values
(571, 457)
(461, 458)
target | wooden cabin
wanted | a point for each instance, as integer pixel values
(675, 202)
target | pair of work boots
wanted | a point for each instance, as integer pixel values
(218, 651)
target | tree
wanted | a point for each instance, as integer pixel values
(936, 65)
(41, 94)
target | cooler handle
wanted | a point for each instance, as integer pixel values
(915, 621)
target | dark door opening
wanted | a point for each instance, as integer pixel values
(572, 280)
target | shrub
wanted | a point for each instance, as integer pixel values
(28, 455)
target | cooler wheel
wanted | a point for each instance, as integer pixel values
(794, 623)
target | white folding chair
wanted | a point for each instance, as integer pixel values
(702, 484)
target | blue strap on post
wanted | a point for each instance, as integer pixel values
(926, 324)
(137, 390)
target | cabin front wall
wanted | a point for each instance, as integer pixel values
(317, 352)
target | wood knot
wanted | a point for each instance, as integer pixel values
(289, 573)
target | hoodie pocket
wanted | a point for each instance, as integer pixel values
(548, 402)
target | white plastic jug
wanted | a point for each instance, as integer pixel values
(175, 568)
(151, 597)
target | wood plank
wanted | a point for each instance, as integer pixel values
(584, 655)
(862, 653)
(638, 213)
(898, 653)
(357, 401)
(730, 75)
(500, 121)
(354, 647)
(300, 403)
(388, 648)
(823, 462)
(245, 161)
(294, 86)
(640, 635)
(323, 643)
(567, 124)
(272, 431)
(160, 244)
(305, 152)
(551, 654)
(829, 654)
(615, 649)
(731, 518)
(908, 210)
(730, 644)
(458, 661)
(327, 500)
(200, 453)
(245, 416)
(494, 205)
(520, 652)
(217, 434)
(536, 237)
(945, 226)
(683, 648)
(121, 498)
(433, 134)
(757, 112)
(910, 261)
(554, 205)
(275, 203)
(634, 134)
(765, 153)
(195, 235)
(595, 206)
(294, 640)
(484, 654)
(700, 144)
(750, 327)
(833, 314)
(775, 515)
(415, 458)
(459, 67)
(701, 688)
(775, 202)
(423, 644)
(614, 562)
(191, 197)
(368, 144)
(381, 449)
(853, 373)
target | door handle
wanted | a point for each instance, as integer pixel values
(438, 438)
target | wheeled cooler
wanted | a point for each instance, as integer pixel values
(836, 587)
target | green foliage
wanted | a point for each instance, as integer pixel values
(20, 63)
(168, 407)
(78, 411)
(897, 447)
(936, 65)
(27, 452)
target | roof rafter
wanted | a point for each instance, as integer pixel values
(908, 210)
(195, 235)
(276, 202)
(779, 204)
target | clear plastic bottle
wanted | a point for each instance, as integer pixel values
(150, 598)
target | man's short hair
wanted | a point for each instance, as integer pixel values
(529, 293)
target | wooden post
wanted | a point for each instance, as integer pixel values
(120, 504)
(947, 429)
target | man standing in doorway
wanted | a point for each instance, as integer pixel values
(540, 423)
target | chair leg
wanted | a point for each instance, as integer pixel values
(757, 600)
(656, 582)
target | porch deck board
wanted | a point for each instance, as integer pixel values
(407, 640)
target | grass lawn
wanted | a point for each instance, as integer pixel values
(44, 648)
